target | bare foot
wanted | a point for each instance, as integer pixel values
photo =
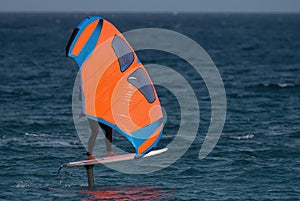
(90, 156)
(111, 153)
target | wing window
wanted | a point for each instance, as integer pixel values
(141, 81)
(123, 52)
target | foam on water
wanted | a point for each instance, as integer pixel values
(242, 137)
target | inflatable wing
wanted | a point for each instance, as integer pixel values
(116, 88)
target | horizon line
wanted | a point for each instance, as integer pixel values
(150, 12)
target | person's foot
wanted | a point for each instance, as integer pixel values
(111, 153)
(90, 156)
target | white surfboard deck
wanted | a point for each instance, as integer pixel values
(111, 159)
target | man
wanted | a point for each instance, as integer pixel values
(94, 126)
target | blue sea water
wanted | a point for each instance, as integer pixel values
(256, 158)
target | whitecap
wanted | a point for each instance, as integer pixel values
(23, 184)
(36, 135)
(280, 85)
(242, 137)
(284, 85)
(31, 134)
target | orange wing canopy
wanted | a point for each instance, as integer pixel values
(116, 88)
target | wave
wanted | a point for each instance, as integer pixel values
(38, 140)
(279, 85)
(23, 184)
(242, 137)
(36, 135)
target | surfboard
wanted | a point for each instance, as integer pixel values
(111, 159)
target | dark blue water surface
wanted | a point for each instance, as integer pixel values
(257, 157)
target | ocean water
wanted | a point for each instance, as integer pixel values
(256, 158)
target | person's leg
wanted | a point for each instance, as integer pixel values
(94, 132)
(108, 138)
